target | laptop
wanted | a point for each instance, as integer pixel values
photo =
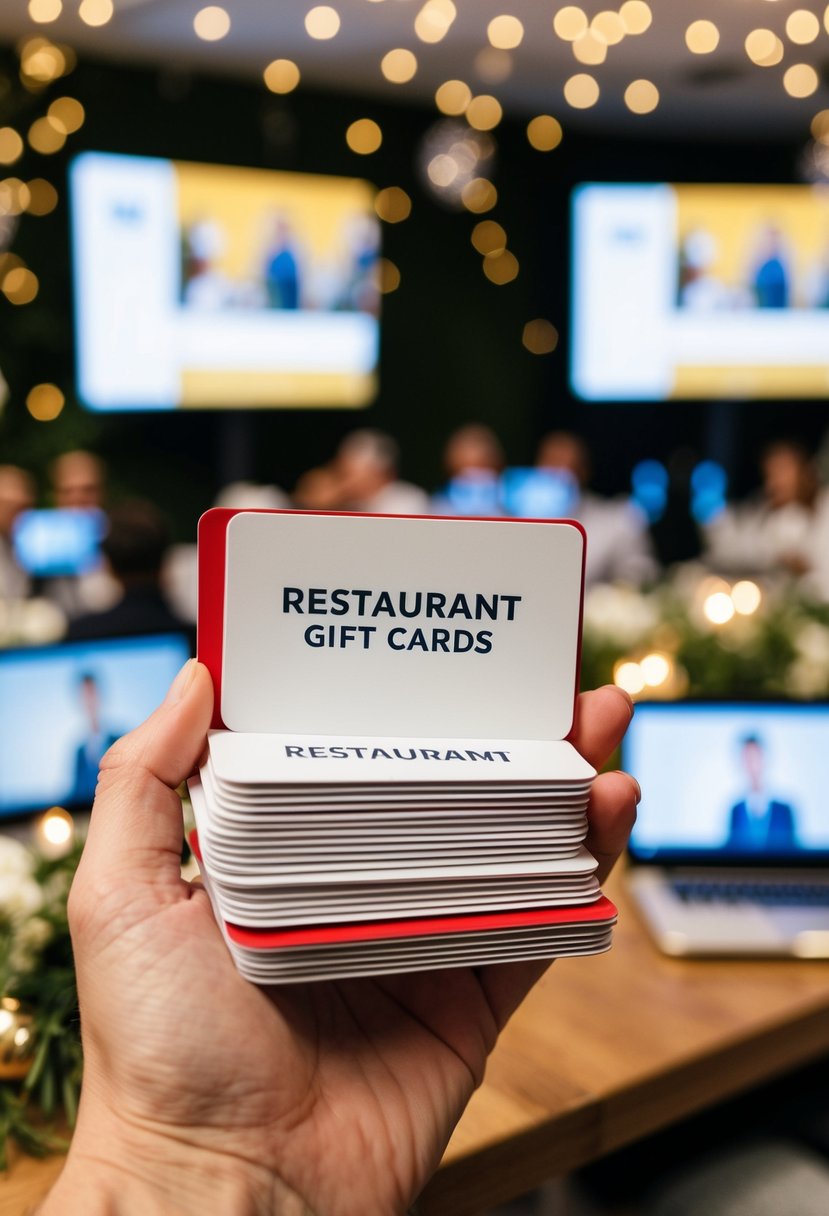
(62, 706)
(730, 852)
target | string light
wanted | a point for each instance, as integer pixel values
(544, 132)
(702, 37)
(322, 22)
(56, 832)
(820, 127)
(452, 97)
(581, 91)
(212, 23)
(746, 597)
(629, 676)
(655, 668)
(505, 32)
(398, 66)
(15, 196)
(41, 62)
(364, 136)
(718, 608)
(281, 76)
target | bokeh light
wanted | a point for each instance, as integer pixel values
(540, 337)
(764, 48)
(718, 607)
(43, 11)
(44, 402)
(393, 205)
(96, 12)
(43, 197)
(434, 20)
(479, 195)
(399, 66)
(11, 146)
(655, 668)
(544, 132)
(636, 16)
(581, 91)
(46, 138)
(19, 285)
(702, 37)
(505, 32)
(628, 675)
(484, 112)
(488, 237)
(641, 96)
(800, 80)
(590, 49)
(322, 22)
(746, 597)
(212, 23)
(452, 97)
(66, 114)
(364, 136)
(570, 22)
(802, 26)
(281, 76)
(501, 267)
(387, 276)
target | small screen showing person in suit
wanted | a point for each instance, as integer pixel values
(760, 820)
(96, 740)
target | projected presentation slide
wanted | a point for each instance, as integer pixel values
(203, 286)
(700, 291)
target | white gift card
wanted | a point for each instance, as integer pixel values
(410, 627)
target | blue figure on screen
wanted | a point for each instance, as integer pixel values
(282, 268)
(759, 822)
(771, 276)
(95, 742)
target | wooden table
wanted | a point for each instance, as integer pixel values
(603, 1052)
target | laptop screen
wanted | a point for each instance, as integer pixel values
(62, 706)
(730, 782)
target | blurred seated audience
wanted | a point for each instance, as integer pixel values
(134, 549)
(783, 529)
(17, 494)
(361, 477)
(78, 481)
(619, 548)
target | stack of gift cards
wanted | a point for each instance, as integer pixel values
(388, 786)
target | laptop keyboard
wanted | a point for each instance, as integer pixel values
(770, 894)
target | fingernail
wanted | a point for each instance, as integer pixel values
(638, 790)
(627, 697)
(182, 682)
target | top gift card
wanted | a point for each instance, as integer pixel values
(391, 625)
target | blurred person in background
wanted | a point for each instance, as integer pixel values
(134, 548)
(784, 528)
(362, 477)
(78, 481)
(474, 460)
(618, 544)
(17, 494)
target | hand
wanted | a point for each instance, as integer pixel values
(204, 1093)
